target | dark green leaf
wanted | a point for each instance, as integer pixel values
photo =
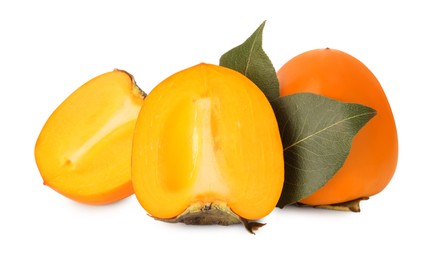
(316, 133)
(250, 59)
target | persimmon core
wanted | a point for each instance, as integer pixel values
(125, 113)
(197, 164)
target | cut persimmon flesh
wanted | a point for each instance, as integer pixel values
(207, 149)
(84, 148)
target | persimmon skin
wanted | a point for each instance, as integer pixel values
(373, 157)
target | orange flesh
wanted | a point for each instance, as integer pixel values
(84, 149)
(373, 157)
(207, 134)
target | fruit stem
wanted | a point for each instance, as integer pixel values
(136, 89)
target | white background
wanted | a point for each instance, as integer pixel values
(49, 48)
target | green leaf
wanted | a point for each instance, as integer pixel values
(317, 134)
(250, 59)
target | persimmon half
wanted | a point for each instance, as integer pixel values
(84, 149)
(372, 160)
(207, 149)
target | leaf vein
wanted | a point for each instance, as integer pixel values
(326, 128)
(248, 61)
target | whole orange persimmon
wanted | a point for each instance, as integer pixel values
(373, 157)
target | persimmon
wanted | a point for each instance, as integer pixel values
(84, 149)
(372, 160)
(207, 149)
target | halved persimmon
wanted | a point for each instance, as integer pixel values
(207, 149)
(373, 157)
(84, 148)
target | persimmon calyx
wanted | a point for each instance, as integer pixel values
(352, 205)
(212, 213)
